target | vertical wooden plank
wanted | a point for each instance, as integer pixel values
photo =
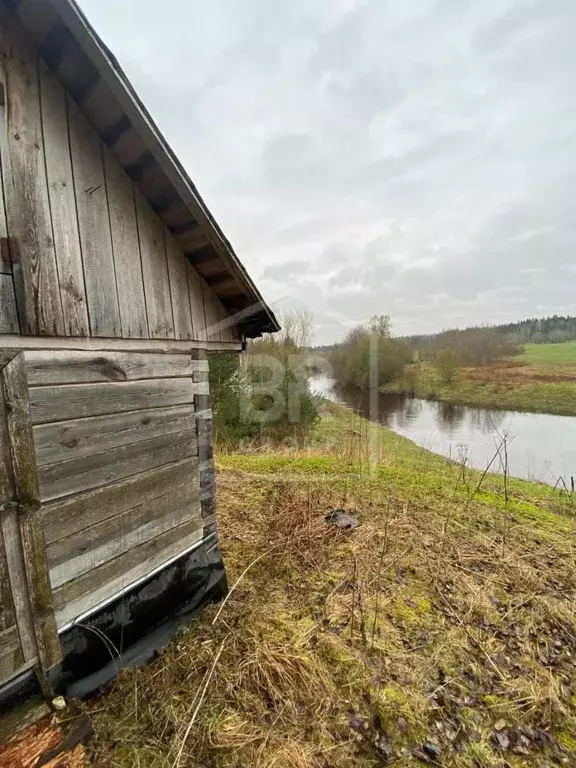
(212, 315)
(126, 249)
(63, 204)
(155, 271)
(14, 597)
(5, 262)
(29, 511)
(94, 225)
(177, 264)
(8, 313)
(18, 583)
(7, 615)
(196, 303)
(25, 186)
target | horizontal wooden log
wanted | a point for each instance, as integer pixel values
(83, 594)
(75, 475)
(201, 375)
(76, 513)
(73, 367)
(73, 401)
(72, 557)
(119, 345)
(73, 439)
(185, 496)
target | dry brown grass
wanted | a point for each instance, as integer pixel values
(516, 372)
(442, 630)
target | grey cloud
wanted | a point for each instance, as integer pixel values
(410, 156)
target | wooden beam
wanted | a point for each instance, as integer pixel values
(164, 346)
(73, 367)
(25, 472)
(77, 438)
(221, 283)
(76, 401)
(202, 256)
(183, 229)
(113, 132)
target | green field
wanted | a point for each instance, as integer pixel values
(550, 354)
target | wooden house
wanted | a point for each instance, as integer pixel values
(115, 281)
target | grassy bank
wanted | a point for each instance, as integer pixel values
(442, 630)
(542, 379)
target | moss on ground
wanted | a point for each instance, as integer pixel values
(442, 630)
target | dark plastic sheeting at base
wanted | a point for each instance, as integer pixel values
(136, 625)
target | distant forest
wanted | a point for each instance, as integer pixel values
(535, 330)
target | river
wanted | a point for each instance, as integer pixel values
(540, 446)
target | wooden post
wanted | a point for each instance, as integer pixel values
(21, 443)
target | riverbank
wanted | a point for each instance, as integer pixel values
(541, 380)
(441, 630)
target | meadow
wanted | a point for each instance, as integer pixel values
(551, 355)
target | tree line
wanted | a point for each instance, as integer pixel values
(534, 330)
(369, 355)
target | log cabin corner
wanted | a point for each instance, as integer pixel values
(115, 282)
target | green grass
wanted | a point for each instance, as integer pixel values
(550, 354)
(446, 618)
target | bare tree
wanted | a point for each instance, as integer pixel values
(381, 325)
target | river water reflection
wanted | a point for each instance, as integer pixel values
(541, 446)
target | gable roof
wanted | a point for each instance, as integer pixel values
(92, 75)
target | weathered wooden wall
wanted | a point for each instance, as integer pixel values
(118, 467)
(89, 255)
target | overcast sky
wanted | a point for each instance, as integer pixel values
(410, 157)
